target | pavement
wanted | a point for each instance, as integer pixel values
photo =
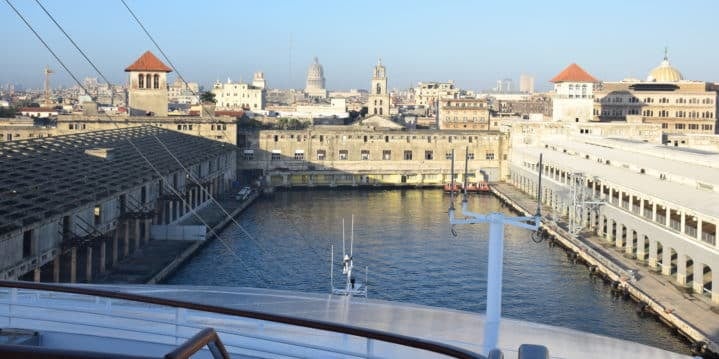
(692, 308)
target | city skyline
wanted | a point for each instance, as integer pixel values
(417, 42)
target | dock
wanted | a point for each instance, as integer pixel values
(158, 259)
(691, 315)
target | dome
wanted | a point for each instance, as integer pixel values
(315, 76)
(665, 72)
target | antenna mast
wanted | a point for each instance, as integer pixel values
(496, 221)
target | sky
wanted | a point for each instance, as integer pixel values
(474, 43)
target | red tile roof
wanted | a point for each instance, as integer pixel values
(573, 73)
(148, 62)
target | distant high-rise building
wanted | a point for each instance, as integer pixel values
(526, 83)
(316, 81)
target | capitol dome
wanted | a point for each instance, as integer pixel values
(315, 77)
(665, 72)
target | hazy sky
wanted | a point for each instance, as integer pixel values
(474, 43)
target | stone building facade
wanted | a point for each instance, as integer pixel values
(238, 96)
(342, 155)
(147, 90)
(427, 93)
(572, 100)
(464, 114)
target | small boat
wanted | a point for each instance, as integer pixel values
(479, 187)
(448, 187)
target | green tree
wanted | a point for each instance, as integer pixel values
(207, 96)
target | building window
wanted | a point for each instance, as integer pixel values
(141, 81)
(470, 156)
(386, 155)
(344, 154)
(248, 155)
(665, 125)
(157, 81)
(365, 155)
(407, 155)
(428, 155)
(299, 156)
(179, 127)
(321, 154)
(679, 126)
(275, 156)
(448, 156)
(489, 156)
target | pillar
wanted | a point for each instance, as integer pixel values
(629, 241)
(682, 225)
(73, 265)
(640, 246)
(103, 255)
(36, 275)
(641, 207)
(681, 269)
(699, 228)
(137, 233)
(698, 283)
(652, 254)
(88, 265)
(715, 288)
(654, 211)
(619, 242)
(56, 269)
(148, 225)
(114, 246)
(126, 239)
(667, 217)
(666, 261)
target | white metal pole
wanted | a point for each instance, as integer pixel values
(494, 282)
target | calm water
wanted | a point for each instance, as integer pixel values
(403, 237)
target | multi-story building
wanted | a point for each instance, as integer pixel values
(427, 93)
(573, 94)
(379, 101)
(258, 80)
(238, 96)
(179, 92)
(465, 114)
(680, 106)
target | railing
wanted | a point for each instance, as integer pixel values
(111, 314)
(207, 337)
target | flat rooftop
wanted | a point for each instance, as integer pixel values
(45, 177)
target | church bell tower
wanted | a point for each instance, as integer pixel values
(379, 97)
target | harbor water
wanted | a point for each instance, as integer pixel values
(403, 238)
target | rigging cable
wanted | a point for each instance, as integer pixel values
(152, 166)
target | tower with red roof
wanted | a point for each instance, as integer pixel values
(573, 99)
(147, 90)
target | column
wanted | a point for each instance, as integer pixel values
(699, 228)
(668, 216)
(170, 211)
(56, 268)
(619, 241)
(698, 283)
(88, 265)
(715, 288)
(652, 254)
(608, 232)
(666, 260)
(73, 265)
(654, 211)
(148, 225)
(641, 207)
(36, 275)
(137, 233)
(681, 269)
(103, 255)
(114, 246)
(682, 224)
(629, 242)
(640, 247)
(126, 239)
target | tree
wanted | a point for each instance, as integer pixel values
(207, 96)
(7, 112)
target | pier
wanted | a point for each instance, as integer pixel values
(691, 314)
(156, 260)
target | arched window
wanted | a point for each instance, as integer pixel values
(380, 110)
(157, 81)
(141, 81)
(379, 89)
(380, 102)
